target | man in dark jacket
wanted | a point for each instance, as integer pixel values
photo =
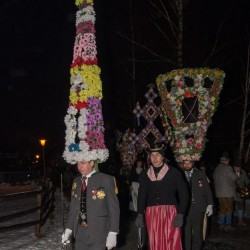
(201, 204)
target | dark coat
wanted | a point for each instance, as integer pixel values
(200, 191)
(171, 190)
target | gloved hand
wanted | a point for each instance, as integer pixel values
(209, 210)
(66, 236)
(111, 240)
(178, 220)
(139, 221)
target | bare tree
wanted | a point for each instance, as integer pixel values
(173, 15)
(245, 126)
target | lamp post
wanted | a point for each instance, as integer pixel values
(37, 159)
(43, 142)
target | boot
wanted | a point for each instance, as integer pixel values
(221, 219)
(222, 227)
(229, 219)
(242, 223)
(240, 216)
(229, 228)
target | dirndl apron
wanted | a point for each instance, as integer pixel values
(162, 235)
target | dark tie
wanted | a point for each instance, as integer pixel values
(84, 185)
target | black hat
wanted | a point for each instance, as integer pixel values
(237, 163)
(225, 155)
(157, 147)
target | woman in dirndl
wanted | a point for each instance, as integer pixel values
(162, 202)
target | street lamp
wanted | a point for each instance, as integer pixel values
(43, 142)
(37, 158)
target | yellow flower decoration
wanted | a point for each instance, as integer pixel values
(202, 71)
(182, 71)
(100, 194)
(80, 2)
(74, 185)
(91, 76)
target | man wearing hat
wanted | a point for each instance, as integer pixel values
(201, 204)
(93, 218)
(242, 182)
(225, 190)
(158, 203)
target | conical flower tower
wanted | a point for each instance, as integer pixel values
(189, 99)
(84, 120)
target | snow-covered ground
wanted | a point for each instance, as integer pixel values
(51, 232)
(24, 239)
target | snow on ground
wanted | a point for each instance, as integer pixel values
(24, 239)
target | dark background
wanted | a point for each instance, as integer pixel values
(36, 48)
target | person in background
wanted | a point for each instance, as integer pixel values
(225, 190)
(93, 218)
(201, 204)
(136, 172)
(68, 177)
(203, 168)
(124, 187)
(242, 181)
(163, 200)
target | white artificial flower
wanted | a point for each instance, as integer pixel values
(199, 77)
(180, 92)
(198, 123)
(83, 146)
(177, 78)
(182, 150)
(84, 86)
(184, 143)
(76, 79)
(85, 14)
(72, 110)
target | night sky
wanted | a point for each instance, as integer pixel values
(37, 39)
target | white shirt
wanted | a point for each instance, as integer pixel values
(88, 176)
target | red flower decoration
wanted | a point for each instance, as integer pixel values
(80, 105)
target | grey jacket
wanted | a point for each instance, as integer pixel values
(224, 181)
(102, 207)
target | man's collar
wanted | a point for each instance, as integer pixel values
(90, 174)
(190, 171)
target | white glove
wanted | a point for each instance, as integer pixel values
(111, 240)
(209, 210)
(66, 236)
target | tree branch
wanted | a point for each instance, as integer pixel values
(213, 51)
(147, 49)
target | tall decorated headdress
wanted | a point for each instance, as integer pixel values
(189, 99)
(84, 120)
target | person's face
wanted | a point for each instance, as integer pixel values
(85, 167)
(236, 169)
(203, 168)
(156, 159)
(187, 165)
(224, 161)
(139, 164)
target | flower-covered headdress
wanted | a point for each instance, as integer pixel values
(84, 121)
(200, 87)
